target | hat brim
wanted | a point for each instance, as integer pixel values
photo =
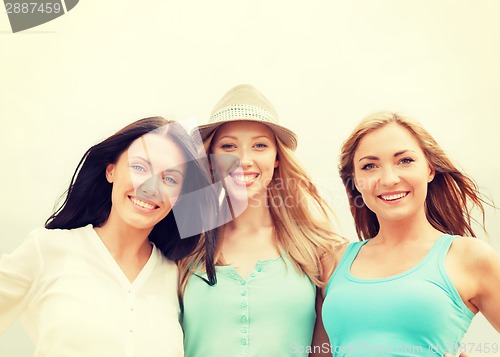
(288, 137)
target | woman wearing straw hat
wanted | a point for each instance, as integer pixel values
(267, 256)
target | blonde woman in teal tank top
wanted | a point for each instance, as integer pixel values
(412, 285)
(253, 291)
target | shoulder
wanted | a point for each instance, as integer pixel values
(40, 235)
(329, 262)
(471, 247)
(52, 241)
(43, 232)
(166, 265)
(41, 245)
(164, 261)
(474, 253)
(330, 259)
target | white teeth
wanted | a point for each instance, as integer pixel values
(245, 178)
(142, 203)
(394, 197)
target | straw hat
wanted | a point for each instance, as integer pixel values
(245, 103)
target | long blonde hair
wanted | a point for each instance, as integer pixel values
(448, 194)
(302, 219)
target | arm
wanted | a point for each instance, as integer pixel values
(320, 338)
(18, 271)
(321, 343)
(486, 272)
(474, 268)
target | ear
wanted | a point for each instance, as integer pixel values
(110, 172)
(276, 163)
(432, 174)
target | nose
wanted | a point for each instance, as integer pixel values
(150, 187)
(389, 176)
(246, 158)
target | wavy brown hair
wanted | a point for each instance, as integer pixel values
(448, 195)
(302, 219)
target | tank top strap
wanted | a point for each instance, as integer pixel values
(350, 254)
(437, 255)
(442, 246)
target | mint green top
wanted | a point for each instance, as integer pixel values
(269, 314)
(415, 313)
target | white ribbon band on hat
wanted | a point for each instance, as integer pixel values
(242, 111)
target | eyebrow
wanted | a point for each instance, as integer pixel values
(151, 166)
(174, 170)
(396, 154)
(253, 137)
(142, 158)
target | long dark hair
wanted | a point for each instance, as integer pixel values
(88, 198)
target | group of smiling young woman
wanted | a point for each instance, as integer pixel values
(218, 244)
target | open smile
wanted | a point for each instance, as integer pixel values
(143, 205)
(393, 196)
(244, 179)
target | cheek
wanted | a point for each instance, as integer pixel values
(363, 183)
(221, 168)
(136, 180)
(223, 164)
(122, 183)
(271, 160)
(423, 185)
(171, 194)
(419, 179)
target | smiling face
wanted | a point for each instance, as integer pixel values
(253, 148)
(147, 181)
(391, 172)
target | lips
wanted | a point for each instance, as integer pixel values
(246, 178)
(393, 196)
(145, 205)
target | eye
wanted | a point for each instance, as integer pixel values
(260, 146)
(138, 168)
(368, 166)
(170, 180)
(227, 146)
(406, 161)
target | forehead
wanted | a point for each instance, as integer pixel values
(243, 129)
(388, 139)
(159, 151)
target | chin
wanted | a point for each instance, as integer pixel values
(395, 216)
(143, 224)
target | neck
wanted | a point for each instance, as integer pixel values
(124, 241)
(415, 228)
(257, 215)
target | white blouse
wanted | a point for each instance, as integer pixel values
(74, 300)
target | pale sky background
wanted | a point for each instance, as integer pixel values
(324, 65)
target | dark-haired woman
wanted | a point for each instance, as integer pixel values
(99, 279)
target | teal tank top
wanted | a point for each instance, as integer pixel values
(271, 313)
(416, 313)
